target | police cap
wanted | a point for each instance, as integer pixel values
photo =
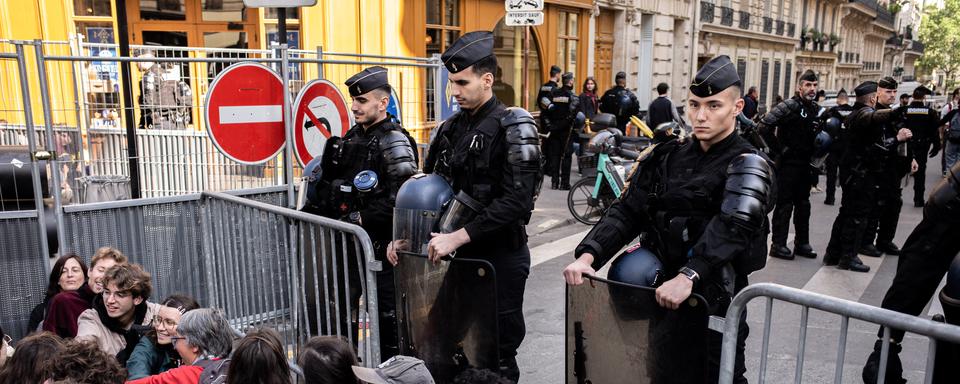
(808, 75)
(921, 91)
(887, 83)
(566, 77)
(467, 50)
(367, 80)
(865, 88)
(841, 92)
(714, 77)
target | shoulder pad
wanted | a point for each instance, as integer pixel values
(514, 116)
(398, 155)
(780, 111)
(522, 136)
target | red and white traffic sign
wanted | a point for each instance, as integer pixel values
(244, 113)
(319, 113)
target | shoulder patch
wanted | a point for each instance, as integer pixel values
(561, 99)
(546, 88)
(917, 111)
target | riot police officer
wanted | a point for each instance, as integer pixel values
(357, 180)
(833, 125)
(700, 205)
(929, 252)
(561, 118)
(164, 103)
(896, 163)
(789, 130)
(543, 96)
(620, 102)
(859, 170)
(490, 155)
(924, 122)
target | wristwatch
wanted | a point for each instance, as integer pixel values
(690, 274)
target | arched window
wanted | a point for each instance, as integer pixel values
(508, 46)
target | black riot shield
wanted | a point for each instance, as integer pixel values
(447, 314)
(617, 333)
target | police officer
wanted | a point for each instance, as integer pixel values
(164, 103)
(833, 125)
(699, 205)
(790, 130)
(930, 250)
(491, 154)
(896, 163)
(620, 102)
(859, 169)
(924, 122)
(562, 114)
(543, 96)
(358, 181)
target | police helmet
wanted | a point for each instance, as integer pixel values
(668, 128)
(603, 120)
(427, 192)
(604, 141)
(822, 144)
(312, 173)
(624, 102)
(579, 120)
(832, 125)
(636, 266)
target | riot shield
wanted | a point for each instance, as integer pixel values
(447, 314)
(617, 333)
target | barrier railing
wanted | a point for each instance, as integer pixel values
(847, 310)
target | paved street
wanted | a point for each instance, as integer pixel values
(554, 234)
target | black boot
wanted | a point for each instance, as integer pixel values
(888, 247)
(804, 250)
(830, 200)
(870, 250)
(564, 185)
(853, 264)
(554, 183)
(781, 252)
(894, 372)
(830, 260)
(918, 203)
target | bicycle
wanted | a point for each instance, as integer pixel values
(591, 196)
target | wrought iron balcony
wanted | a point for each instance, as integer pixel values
(780, 27)
(791, 29)
(767, 25)
(707, 11)
(744, 20)
(726, 16)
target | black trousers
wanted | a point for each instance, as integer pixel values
(925, 258)
(920, 177)
(832, 165)
(882, 224)
(793, 197)
(512, 269)
(561, 150)
(856, 204)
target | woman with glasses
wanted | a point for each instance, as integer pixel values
(155, 354)
(204, 343)
(121, 313)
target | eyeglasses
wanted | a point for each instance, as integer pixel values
(173, 339)
(169, 323)
(118, 294)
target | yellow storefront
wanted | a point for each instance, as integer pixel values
(417, 28)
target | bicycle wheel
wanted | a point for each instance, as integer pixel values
(581, 203)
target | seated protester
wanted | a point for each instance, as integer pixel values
(259, 357)
(397, 370)
(32, 363)
(85, 363)
(116, 321)
(68, 274)
(204, 344)
(155, 354)
(328, 360)
(65, 308)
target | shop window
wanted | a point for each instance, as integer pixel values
(443, 25)
(508, 83)
(223, 10)
(86, 8)
(163, 10)
(567, 41)
(292, 13)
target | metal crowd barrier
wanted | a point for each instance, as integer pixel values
(847, 310)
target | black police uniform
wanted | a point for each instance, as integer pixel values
(492, 154)
(388, 150)
(701, 212)
(560, 117)
(543, 101)
(832, 163)
(790, 130)
(924, 123)
(620, 102)
(926, 256)
(859, 168)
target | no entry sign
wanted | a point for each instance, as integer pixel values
(319, 113)
(244, 113)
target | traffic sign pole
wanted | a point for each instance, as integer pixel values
(288, 159)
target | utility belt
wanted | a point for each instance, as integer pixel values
(674, 236)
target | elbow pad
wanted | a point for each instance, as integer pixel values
(523, 144)
(399, 158)
(747, 192)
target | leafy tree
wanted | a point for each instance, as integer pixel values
(940, 35)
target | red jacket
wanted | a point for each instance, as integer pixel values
(65, 308)
(186, 374)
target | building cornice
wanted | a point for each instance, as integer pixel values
(739, 33)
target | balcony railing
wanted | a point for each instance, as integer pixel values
(791, 29)
(726, 16)
(883, 14)
(744, 20)
(767, 25)
(706, 11)
(780, 27)
(916, 46)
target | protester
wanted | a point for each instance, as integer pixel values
(750, 103)
(259, 358)
(85, 363)
(68, 274)
(589, 101)
(397, 370)
(32, 362)
(115, 320)
(204, 344)
(155, 353)
(328, 360)
(66, 307)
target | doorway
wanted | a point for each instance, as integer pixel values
(603, 50)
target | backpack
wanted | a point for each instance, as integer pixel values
(953, 131)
